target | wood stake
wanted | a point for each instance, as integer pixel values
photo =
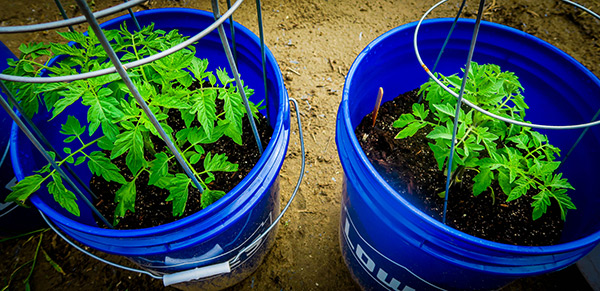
(377, 104)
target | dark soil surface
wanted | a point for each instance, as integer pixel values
(151, 209)
(409, 166)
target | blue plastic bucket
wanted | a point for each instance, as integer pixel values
(13, 219)
(218, 233)
(387, 242)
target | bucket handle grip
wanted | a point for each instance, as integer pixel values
(211, 270)
(196, 273)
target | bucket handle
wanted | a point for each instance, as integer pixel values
(211, 270)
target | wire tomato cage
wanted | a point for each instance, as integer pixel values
(459, 95)
(41, 143)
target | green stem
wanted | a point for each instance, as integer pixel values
(189, 164)
(137, 56)
(24, 234)
(37, 251)
(535, 150)
(14, 273)
(80, 150)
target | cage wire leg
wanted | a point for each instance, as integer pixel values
(458, 104)
(63, 13)
(236, 75)
(585, 131)
(232, 28)
(262, 49)
(85, 9)
(437, 60)
(135, 21)
(50, 160)
(42, 138)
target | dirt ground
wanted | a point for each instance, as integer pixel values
(314, 42)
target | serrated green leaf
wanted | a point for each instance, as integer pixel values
(64, 197)
(440, 153)
(517, 192)
(410, 130)
(446, 109)
(205, 110)
(224, 77)
(564, 202)
(211, 196)
(540, 204)
(100, 165)
(80, 160)
(131, 142)
(504, 181)
(125, 199)
(69, 97)
(218, 163)
(440, 132)
(403, 120)
(178, 190)
(22, 190)
(159, 167)
(419, 110)
(558, 182)
(197, 67)
(483, 180)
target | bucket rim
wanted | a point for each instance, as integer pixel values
(345, 121)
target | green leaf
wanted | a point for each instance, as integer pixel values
(440, 153)
(504, 181)
(540, 204)
(131, 142)
(211, 196)
(419, 110)
(205, 110)
(64, 197)
(125, 199)
(410, 130)
(558, 182)
(517, 192)
(100, 165)
(197, 67)
(69, 97)
(159, 167)
(22, 190)
(218, 163)
(178, 190)
(483, 180)
(223, 77)
(446, 109)
(80, 160)
(441, 132)
(564, 201)
(404, 120)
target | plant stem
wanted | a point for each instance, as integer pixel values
(37, 251)
(80, 150)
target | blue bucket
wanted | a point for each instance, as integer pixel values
(13, 219)
(387, 242)
(218, 233)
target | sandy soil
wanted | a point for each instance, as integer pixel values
(314, 42)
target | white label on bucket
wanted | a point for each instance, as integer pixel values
(371, 260)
